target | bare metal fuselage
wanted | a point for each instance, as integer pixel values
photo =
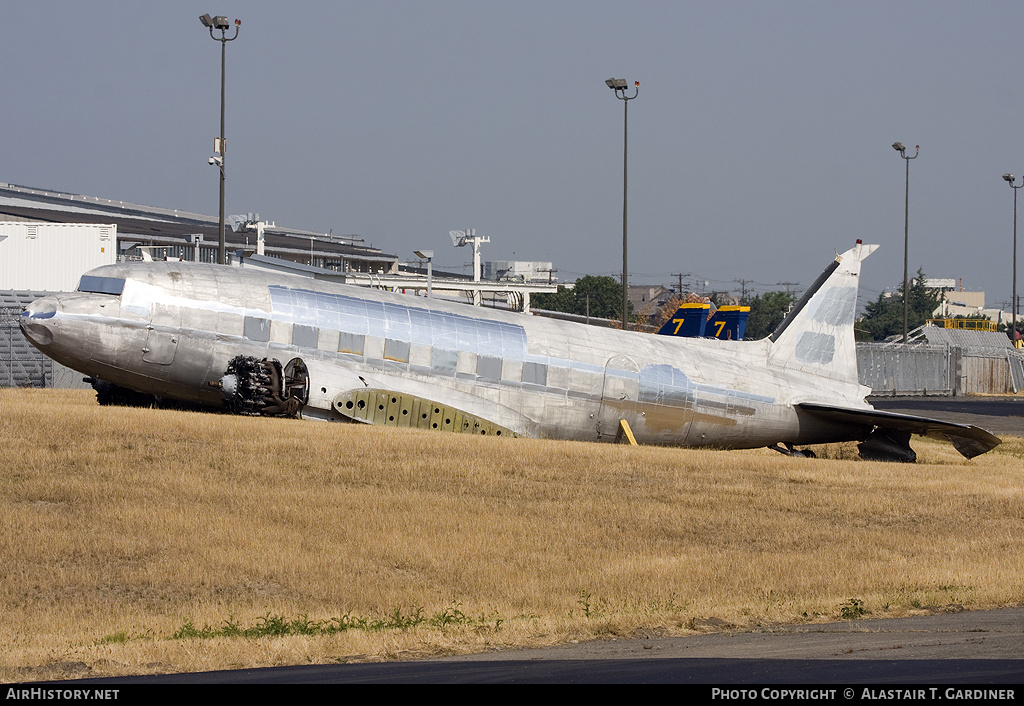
(169, 329)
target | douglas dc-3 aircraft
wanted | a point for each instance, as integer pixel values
(258, 342)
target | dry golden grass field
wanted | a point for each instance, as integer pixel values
(142, 541)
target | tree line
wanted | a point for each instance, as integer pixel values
(601, 297)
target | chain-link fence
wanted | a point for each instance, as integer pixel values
(22, 365)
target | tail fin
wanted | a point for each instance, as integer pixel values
(817, 336)
(689, 321)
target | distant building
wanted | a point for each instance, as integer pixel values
(647, 298)
(518, 271)
(956, 302)
(53, 256)
(48, 239)
(189, 236)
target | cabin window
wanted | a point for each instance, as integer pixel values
(256, 329)
(351, 343)
(396, 350)
(535, 373)
(381, 320)
(304, 336)
(488, 367)
(443, 360)
(101, 285)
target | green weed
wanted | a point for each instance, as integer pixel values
(853, 609)
(271, 625)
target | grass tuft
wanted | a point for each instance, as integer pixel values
(853, 609)
(274, 625)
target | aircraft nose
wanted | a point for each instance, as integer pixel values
(37, 319)
(43, 308)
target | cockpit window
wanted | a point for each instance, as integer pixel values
(101, 285)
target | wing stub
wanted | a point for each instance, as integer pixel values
(390, 408)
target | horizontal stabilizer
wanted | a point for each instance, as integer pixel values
(968, 439)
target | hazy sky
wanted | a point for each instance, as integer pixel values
(758, 146)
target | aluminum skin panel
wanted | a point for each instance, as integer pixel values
(532, 376)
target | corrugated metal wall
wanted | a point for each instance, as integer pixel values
(911, 370)
(939, 370)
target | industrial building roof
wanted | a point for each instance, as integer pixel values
(957, 338)
(147, 225)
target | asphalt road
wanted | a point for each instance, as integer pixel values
(956, 647)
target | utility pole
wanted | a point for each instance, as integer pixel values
(551, 273)
(743, 287)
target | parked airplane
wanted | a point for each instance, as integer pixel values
(261, 342)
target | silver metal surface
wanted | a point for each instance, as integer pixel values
(171, 329)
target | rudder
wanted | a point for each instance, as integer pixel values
(817, 335)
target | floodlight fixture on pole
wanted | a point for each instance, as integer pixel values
(460, 238)
(1013, 302)
(220, 22)
(619, 86)
(898, 146)
(427, 255)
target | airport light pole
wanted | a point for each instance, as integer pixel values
(619, 86)
(427, 255)
(898, 146)
(220, 22)
(1013, 302)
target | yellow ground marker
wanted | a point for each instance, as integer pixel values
(624, 425)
